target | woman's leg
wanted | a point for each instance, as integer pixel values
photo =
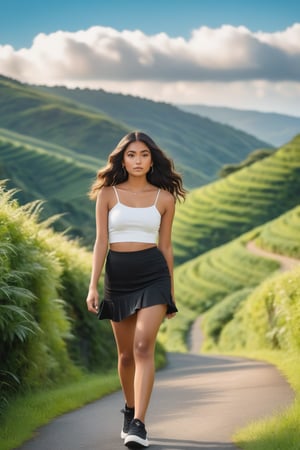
(148, 322)
(124, 333)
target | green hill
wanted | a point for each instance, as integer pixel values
(55, 120)
(227, 208)
(198, 146)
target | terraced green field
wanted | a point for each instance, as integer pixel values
(225, 209)
(56, 120)
(55, 178)
(57, 150)
(207, 279)
(282, 235)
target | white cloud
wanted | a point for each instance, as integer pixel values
(287, 40)
(212, 64)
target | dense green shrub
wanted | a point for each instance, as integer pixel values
(253, 157)
(269, 318)
(220, 314)
(206, 280)
(34, 324)
(46, 331)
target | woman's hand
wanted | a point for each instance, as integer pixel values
(92, 301)
(170, 316)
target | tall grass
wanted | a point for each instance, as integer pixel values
(46, 333)
(269, 318)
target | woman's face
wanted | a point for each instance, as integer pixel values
(137, 159)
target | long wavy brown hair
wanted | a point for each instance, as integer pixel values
(163, 174)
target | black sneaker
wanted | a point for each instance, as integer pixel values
(137, 435)
(128, 416)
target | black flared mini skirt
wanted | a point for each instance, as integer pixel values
(135, 280)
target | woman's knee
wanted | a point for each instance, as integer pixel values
(126, 359)
(143, 349)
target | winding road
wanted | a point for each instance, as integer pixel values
(198, 402)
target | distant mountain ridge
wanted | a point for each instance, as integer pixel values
(270, 127)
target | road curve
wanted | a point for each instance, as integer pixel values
(286, 262)
(197, 403)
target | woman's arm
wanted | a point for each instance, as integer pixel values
(100, 250)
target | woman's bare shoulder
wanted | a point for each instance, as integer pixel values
(166, 196)
(106, 194)
(166, 201)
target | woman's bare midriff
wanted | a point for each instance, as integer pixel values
(130, 246)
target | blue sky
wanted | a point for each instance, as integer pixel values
(232, 53)
(21, 20)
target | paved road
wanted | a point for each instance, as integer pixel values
(197, 403)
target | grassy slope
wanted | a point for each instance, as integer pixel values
(218, 212)
(282, 235)
(198, 146)
(56, 120)
(225, 209)
(57, 150)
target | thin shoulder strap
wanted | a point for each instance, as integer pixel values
(116, 192)
(156, 197)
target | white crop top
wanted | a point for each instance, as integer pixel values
(131, 224)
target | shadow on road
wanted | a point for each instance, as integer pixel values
(189, 364)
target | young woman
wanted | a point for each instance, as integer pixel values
(135, 203)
